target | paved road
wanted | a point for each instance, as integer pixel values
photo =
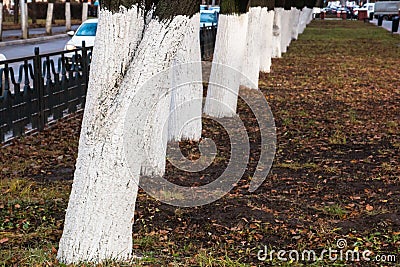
(16, 51)
(17, 33)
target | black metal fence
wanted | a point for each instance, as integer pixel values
(40, 89)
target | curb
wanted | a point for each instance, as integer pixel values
(33, 40)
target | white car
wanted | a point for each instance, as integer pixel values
(86, 32)
(369, 7)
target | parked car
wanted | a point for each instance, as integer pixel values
(208, 18)
(329, 10)
(86, 32)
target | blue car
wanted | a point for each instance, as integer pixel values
(208, 18)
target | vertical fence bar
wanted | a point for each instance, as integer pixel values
(39, 87)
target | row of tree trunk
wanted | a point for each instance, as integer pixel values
(23, 7)
(145, 90)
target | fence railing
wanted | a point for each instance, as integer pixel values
(40, 89)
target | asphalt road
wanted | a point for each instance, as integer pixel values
(17, 51)
(56, 29)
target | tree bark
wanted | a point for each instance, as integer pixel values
(85, 7)
(99, 218)
(1, 21)
(24, 19)
(223, 89)
(267, 23)
(277, 33)
(187, 88)
(49, 18)
(286, 31)
(16, 11)
(295, 23)
(34, 12)
(68, 15)
(251, 61)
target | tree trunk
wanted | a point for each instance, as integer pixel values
(229, 51)
(34, 12)
(24, 19)
(267, 23)
(85, 7)
(49, 18)
(114, 146)
(1, 21)
(251, 61)
(16, 11)
(285, 30)
(277, 33)
(68, 15)
(187, 88)
(228, 58)
(295, 24)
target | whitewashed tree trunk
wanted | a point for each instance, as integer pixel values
(67, 16)
(277, 33)
(99, 218)
(286, 30)
(303, 20)
(24, 19)
(85, 7)
(229, 50)
(187, 88)
(309, 15)
(49, 18)
(251, 60)
(295, 23)
(267, 24)
(98, 222)
(1, 21)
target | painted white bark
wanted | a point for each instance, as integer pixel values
(229, 50)
(24, 19)
(99, 218)
(277, 33)
(267, 24)
(49, 18)
(187, 88)
(98, 222)
(303, 20)
(1, 22)
(295, 23)
(251, 60)
(286, 30)
(85, 7)
(309, 15)
(67, 16)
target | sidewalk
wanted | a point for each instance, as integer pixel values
(7, 34)
(387, 25)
